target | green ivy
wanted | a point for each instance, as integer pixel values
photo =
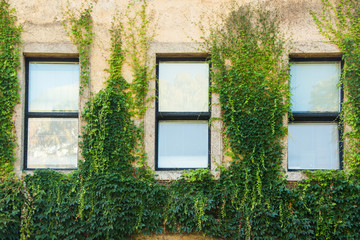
(330, 204)
(107, 197)
(138, 34)
(10, 40)
(11, 201)
(52, 206)
(79, 28)
(340, 24)
(192, 203)
(252, 81)
(11, 198)
(138, 38)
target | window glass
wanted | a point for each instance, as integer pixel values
(314, 86)
(183, 87)
(183, 144)
(313, 146)
(52, 143)
(53, 87)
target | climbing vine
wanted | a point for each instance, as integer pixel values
(138, 37)
(107, 197)
(251, 199)
(251, 79)
(9, 64)
(339, 22)
(108, 140)
(10, 188)
(79, 28)
(138, 34)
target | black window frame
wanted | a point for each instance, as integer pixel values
(29, 115)
(320, 117)
(163, 116)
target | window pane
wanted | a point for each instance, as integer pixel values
(183, 144)
(52, 143)
(314, 86)
(313, 146)
(53, 87)
(183, 87)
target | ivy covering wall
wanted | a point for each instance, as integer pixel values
(11, 197)
(114, 195)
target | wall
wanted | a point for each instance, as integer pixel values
(176, 33)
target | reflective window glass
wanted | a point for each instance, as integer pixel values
(183, 87)
(53, 87)
(314, 86)
(313, 146)
(52, 143)
(183, 144)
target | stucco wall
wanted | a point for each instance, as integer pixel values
(176, 33)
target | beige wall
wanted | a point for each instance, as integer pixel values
(176, 33)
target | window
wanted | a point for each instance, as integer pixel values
(182, 127)
(314, 134)
(51, 113)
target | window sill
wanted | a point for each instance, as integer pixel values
(176, 174)
(295, 176)
(31, 171)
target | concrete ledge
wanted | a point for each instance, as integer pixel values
(295, 176)
(55, 50)
(174, 237)
(314, 49)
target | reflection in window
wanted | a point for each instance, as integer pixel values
(182, 114)
(183, 87)
(314, 86)
(52, 139)
(183, 144)
(313, 139)
(52, 114)
(313, 146)
(53, 87)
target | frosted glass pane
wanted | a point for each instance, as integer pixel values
(313, 146)
(314, 86)
(183, 87)
(53, 87)
(183, 144)
(52, 143)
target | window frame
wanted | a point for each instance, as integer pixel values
(28, 115)
(164, 116)
(320, 117)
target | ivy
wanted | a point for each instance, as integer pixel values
(107, 197)
(138, 34)
(9, 84)
(11, 198)
(79, 28)
(339, 22)
(11, 201)
(330, 204)
(251, 80)
(191, 203)
(251, 199)
(138, 38)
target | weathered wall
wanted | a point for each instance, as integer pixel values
(176, 33)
